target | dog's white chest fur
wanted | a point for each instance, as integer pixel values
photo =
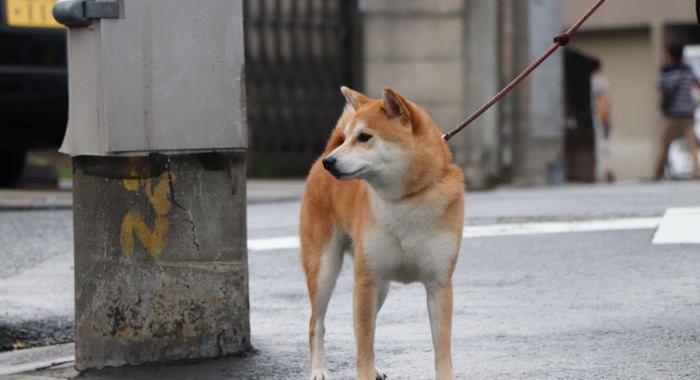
(406, 244)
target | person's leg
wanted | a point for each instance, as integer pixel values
(692, 143)
(670, 132)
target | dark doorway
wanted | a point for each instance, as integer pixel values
(580, 138)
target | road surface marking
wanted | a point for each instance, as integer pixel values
(679, 226)
(271, 244)
(510, 229)
(493, 230)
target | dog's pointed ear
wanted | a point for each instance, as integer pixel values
(395, 105)
(354, 98)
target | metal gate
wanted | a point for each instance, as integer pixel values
(298, 53)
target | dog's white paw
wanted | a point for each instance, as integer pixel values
(379, 374)
(320, 374)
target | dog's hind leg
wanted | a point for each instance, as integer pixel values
(322, 263)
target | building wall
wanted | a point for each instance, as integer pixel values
(625, 14)
(427, 51)
(625, 57)
(415, 47)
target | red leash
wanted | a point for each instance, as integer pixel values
(559, 40)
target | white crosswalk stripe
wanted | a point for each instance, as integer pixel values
(679, 226)
(509, 229)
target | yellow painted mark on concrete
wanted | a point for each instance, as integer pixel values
(154, 239)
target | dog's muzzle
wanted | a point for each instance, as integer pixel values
(329, 163)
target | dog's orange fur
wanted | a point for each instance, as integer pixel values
(431, 182)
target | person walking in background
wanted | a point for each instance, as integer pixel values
(600, 106)
(676, 82)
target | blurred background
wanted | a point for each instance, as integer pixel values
(449, 56)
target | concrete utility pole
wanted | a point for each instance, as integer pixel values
(481, 140)
(157, 132)
(537, 119)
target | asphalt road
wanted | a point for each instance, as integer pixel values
(602, 304)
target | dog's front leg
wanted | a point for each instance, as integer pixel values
(363, 298)
(368, 297)
(440, 313)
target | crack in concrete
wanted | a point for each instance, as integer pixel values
(194, 231)
(189, 214)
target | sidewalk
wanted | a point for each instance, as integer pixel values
(11, 200)
(259, 191)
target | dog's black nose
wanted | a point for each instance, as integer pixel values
(329, 163)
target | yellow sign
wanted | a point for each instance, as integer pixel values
(31, 13)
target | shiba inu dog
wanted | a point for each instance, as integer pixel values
(384, 188)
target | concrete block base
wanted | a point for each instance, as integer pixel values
(160, 258)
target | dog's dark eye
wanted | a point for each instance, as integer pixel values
(363, 137)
